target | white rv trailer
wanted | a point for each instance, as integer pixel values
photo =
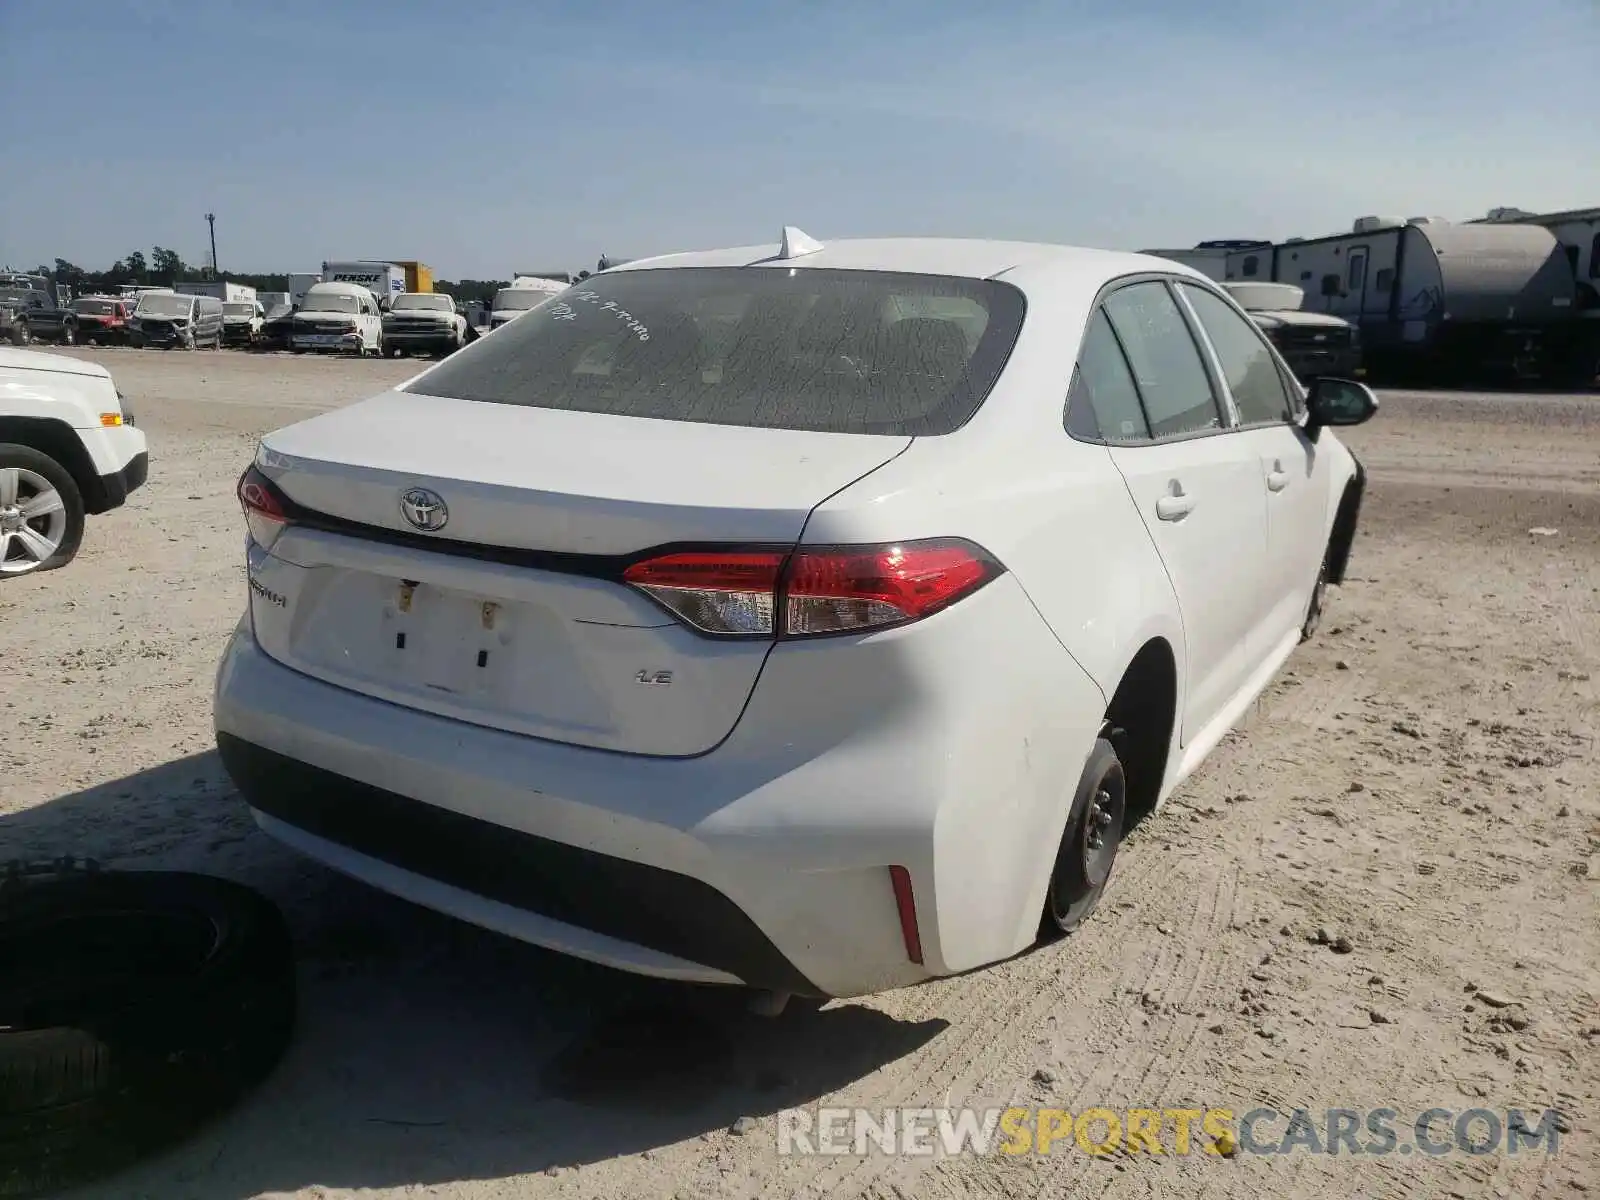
(1213, 259)
(1439, 298)
(1578, 231)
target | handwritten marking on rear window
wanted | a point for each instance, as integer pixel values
(565, 311)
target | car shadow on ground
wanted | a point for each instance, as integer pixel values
(429, 1051)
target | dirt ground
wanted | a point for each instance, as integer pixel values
(1422, 781)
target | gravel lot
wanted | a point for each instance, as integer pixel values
(1423, 781)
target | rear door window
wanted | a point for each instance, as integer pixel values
(781, 348)
(1166, 362)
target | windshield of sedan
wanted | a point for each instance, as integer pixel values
(153, 304)
(813, 349)
(519, 299)
(436, 302)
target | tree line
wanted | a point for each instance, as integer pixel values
(164, 268)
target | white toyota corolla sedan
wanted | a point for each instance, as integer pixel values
(809, 617)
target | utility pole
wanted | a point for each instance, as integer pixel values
(211, 220)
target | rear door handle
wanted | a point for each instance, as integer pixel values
(1175, 507)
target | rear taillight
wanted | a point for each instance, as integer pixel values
(265, 511)
(731, 593)
(812, 591)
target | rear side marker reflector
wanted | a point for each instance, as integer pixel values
(814, 590)
(906, 902)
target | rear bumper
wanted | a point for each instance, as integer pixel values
(689, 924)
(764, 861)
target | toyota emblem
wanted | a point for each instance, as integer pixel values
(424, 509)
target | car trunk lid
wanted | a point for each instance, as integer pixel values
(499, 600)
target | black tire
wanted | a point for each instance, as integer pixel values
(21, 335)
(26, 457)
(1319, 601)
(1089, 844)
(69, 336)
(146, 1003)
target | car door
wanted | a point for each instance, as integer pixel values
(1198, 490)
(1291, 474)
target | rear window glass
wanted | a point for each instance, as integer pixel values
(94, 308)
(801, 348)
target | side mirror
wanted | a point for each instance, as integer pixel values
(1338, 402)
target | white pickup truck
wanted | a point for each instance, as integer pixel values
(68, 447)
(423, 321)
(241, 322)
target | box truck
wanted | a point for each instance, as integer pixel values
(299, 284)
(385, 280)
(419, 276)
(220, 289)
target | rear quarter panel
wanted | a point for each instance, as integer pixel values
(1058, 515)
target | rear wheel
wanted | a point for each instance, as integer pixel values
(1089, 845)
(69, 336)
(20, 335)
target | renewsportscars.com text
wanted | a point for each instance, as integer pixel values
(1170, 1131)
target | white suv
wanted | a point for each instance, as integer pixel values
(813, 618)
(68, 447)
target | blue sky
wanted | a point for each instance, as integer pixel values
(485, 135)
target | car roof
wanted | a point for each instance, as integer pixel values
(1019, 262)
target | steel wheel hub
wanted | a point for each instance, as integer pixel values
(33, 520)
(1099, 837)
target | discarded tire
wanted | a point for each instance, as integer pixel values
(134, 1007)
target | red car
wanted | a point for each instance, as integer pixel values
(102, 319)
